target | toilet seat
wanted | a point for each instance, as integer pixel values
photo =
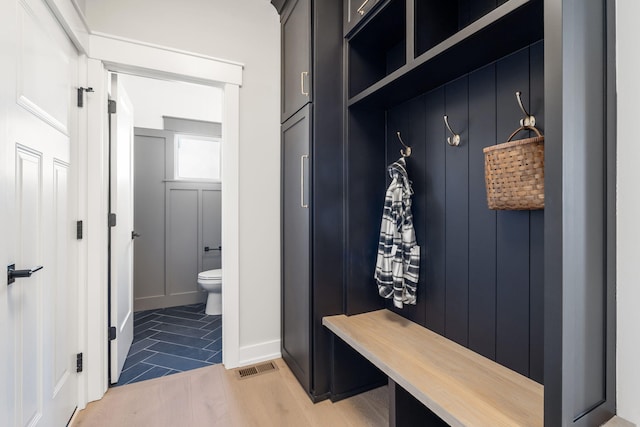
(210, 275)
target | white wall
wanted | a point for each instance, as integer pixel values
(153, 98)
(628, 251)
(245, 31)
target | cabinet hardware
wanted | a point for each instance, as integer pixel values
(134, 235)
(361, 8)
(207, 248)
(302, 205)
(302, 76)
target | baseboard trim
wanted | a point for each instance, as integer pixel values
(261, 352)
(164, 301)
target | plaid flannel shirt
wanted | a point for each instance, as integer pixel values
(398, 261)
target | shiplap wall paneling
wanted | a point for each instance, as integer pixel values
(434, 246)
(512, 332)
(408, 119)
(482, 221)
(457, 214)
(481, 270)
(417, 136)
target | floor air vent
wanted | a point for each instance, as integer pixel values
(252, 371)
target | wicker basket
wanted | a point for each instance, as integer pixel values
(514, 173)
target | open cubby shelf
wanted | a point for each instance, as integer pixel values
(438, 20)
(379, 48)
(379, 74)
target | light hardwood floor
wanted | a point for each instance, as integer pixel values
(213, 396)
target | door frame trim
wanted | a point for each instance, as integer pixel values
(109, 53)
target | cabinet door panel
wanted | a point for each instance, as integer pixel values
(296, 57)
(296, 250)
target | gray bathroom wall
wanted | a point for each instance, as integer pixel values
(149, 216)
(211, 229)
(176, 219)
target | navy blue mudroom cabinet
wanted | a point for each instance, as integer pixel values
(532, 290)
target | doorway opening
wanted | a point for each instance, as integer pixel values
(166, 277)
(117, 55)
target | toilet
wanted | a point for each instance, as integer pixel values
(211, 281)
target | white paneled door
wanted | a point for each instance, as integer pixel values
(38, 130)
(122, 234)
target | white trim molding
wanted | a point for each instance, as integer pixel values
(231, 226)
(95, 145)
(168, 49)
(261, 352)
(110, 53)
(144, 59)
(72, 21)
(80, 162)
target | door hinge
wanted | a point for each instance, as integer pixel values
(79, 362)
(81, 91)
(112, 333)
(112, 106)
(112, 220)
(79, 230)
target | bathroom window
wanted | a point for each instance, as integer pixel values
(198, 158)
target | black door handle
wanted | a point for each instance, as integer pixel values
(134, 235)
(207, 248)
(13, 274)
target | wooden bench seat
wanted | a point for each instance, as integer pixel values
(461, 387)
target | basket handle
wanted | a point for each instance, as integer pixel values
(521, 128)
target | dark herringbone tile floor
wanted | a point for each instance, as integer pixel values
(170, 340)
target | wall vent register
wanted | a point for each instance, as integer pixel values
(252, 371)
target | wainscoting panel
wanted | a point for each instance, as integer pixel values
(182, 241)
